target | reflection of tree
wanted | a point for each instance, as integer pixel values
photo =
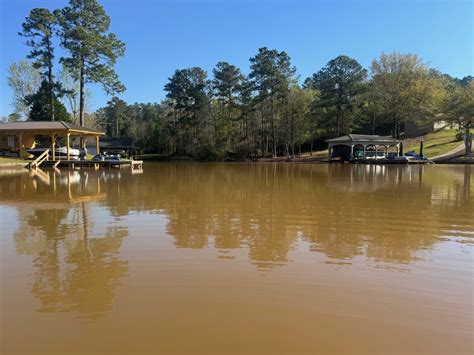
(92, 272)
(386, 213)
(73, 271)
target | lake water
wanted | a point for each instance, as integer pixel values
(198, 258)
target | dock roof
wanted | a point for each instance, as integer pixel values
(46, 127)
(355, 138)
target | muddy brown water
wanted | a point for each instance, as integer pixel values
(198, 258)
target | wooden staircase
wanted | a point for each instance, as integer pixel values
(37, 162)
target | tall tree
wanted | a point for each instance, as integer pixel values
(24, 80)
(404, 89)
(40, 108)
(459, 109)
(226, 87)
(115, 118)
(93, 50)
(39, 29)
(187, 90)
(296, 119)
(339, 83)
(271, 73)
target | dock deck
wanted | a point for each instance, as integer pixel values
(73, 164)
(134, 164)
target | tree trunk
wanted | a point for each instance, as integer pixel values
(262, 126)
(81, 93)
(116, 126)
(50, 79)
(395, 127)
(274, 152)
(292, 133)
(468, 140)
(373, 123)
(81, 97)
(338, 124)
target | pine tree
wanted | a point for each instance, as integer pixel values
(40, 108)
(39, 29)
(93, 50)
(339, 84)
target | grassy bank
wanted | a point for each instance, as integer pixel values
(6, 161)
(434, 143)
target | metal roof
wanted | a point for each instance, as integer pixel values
(25, 126)
(363, 138)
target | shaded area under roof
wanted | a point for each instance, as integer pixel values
(112, 142)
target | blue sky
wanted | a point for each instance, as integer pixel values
(162, 36)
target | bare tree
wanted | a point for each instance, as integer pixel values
(24, 80)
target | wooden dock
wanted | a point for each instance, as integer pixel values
(72, 164)
(81, 164)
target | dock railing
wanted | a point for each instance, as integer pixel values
(35, 163)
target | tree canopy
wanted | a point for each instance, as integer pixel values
(403, 89)
(339, 84)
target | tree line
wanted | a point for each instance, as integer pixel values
(269, 113)
(229, 115)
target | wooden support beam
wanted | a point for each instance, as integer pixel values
(53, 145)
(68, 148)
(97, 145)
(20, 145)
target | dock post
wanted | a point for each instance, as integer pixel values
(67, 145)
(20, 144)
(53, 145)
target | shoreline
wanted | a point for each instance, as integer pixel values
(466, 160)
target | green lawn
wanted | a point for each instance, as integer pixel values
(434, 143)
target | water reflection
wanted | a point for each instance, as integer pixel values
(386, 213)
(71, 222)
(76, 261)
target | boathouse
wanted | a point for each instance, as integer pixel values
(17, 137)
(125, 146)
(355, 146)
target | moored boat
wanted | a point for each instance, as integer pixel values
(60, 153)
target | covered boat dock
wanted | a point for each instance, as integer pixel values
(20, 136)
(353, 147)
